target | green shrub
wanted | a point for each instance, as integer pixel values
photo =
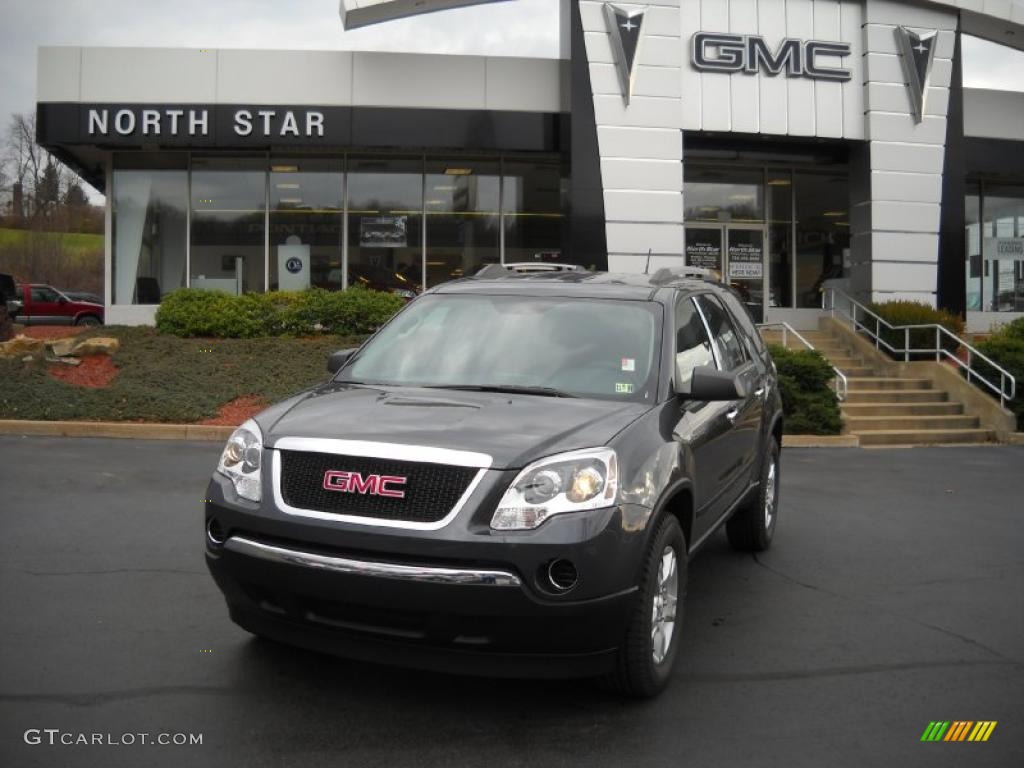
(809, 405)
(901, 313)
(192, 312)
(1006, 348)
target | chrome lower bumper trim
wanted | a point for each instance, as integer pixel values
(424, 574)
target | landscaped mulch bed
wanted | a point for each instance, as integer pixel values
(52, 331)
(237, 411)
(168, 379)
(94, 372)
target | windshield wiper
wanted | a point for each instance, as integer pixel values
(512, 389)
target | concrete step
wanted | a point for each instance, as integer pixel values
(880, 382)
(855, 371)
(854, 410)
(924, 436)
(858, 424)
(895, 396)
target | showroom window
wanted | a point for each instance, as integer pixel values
(306, 223)
(995, 247)
(290, 222)
(533, 205)
(385, 224)
(149, 205)
(228, 243)
(463, 217)
(822, 233)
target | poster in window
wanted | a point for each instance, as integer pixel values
(704, 251)
(746, 261)
(383, 231)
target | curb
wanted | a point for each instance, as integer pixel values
(820, 441)
(134, 431)
(115, 429)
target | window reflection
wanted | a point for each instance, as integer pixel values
(462, 201)
(1002, 230)
(150, 197)
(712, 194)
(385, 224)
(822, 233)
(306, 212)
(228, 224)
(533, 205)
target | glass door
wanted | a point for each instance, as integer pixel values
(736, 254)
(745, 266)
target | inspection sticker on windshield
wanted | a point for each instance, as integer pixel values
(628, 364)
(623, 389)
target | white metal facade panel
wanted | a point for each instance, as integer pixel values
(640, 145)
(58, 73)
(284, 77)
(779, 105)
(149, 75)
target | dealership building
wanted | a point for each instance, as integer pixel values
(791, 145)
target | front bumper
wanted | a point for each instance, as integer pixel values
(462, 599)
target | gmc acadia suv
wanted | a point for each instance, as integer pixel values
(507, 478)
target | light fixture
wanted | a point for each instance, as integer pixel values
(291, 200)
(284, 168)
(458, 171)
(290, 185)
(446, 188)
(834, 214)
(779, 183)
(436, 202)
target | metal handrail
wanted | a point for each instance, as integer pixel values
(842, 384)
(1002, 391)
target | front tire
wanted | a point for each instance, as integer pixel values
(648, 654)
(752, 527)
(89, 320)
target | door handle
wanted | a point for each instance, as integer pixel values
(759, 392)
(733, 414)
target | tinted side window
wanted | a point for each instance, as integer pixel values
(751, 336)
(693, 348)
(44, 294)
(730, 346)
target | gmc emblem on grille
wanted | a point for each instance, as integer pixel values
(370, 485)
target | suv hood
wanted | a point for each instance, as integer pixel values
(514, 429)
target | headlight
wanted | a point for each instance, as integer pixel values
(568, 482)
(242, 461)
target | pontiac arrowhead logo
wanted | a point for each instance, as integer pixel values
(918, 54)
(625, 29)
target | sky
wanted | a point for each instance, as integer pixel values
(517, 28)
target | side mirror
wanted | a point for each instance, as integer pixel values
(711, 384)
(338, 359)
(62, 300)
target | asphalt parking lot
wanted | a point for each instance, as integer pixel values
(894, 596)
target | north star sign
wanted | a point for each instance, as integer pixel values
(750, 54)
(172, 123)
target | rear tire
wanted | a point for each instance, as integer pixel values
(752, 527)
(646, 658)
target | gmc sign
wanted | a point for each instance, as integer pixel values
(370, 485)
(750, 54)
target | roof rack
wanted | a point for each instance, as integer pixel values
(525, 268)
(666, 275)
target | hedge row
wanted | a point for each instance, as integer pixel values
(901, 313)
(809, 404)
(191, 312)
(1006, 347)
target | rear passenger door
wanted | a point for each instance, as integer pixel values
(745, 414)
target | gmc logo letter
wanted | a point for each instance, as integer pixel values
(750, 54)
(371, 485)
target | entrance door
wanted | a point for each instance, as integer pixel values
(737, 253)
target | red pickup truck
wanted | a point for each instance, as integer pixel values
(44, 305)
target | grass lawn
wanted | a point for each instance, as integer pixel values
(75, 243)
(167, 379)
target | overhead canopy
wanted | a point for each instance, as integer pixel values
(361, 13)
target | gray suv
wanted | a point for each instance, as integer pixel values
(508, 478)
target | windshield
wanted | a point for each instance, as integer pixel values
(553, 346)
